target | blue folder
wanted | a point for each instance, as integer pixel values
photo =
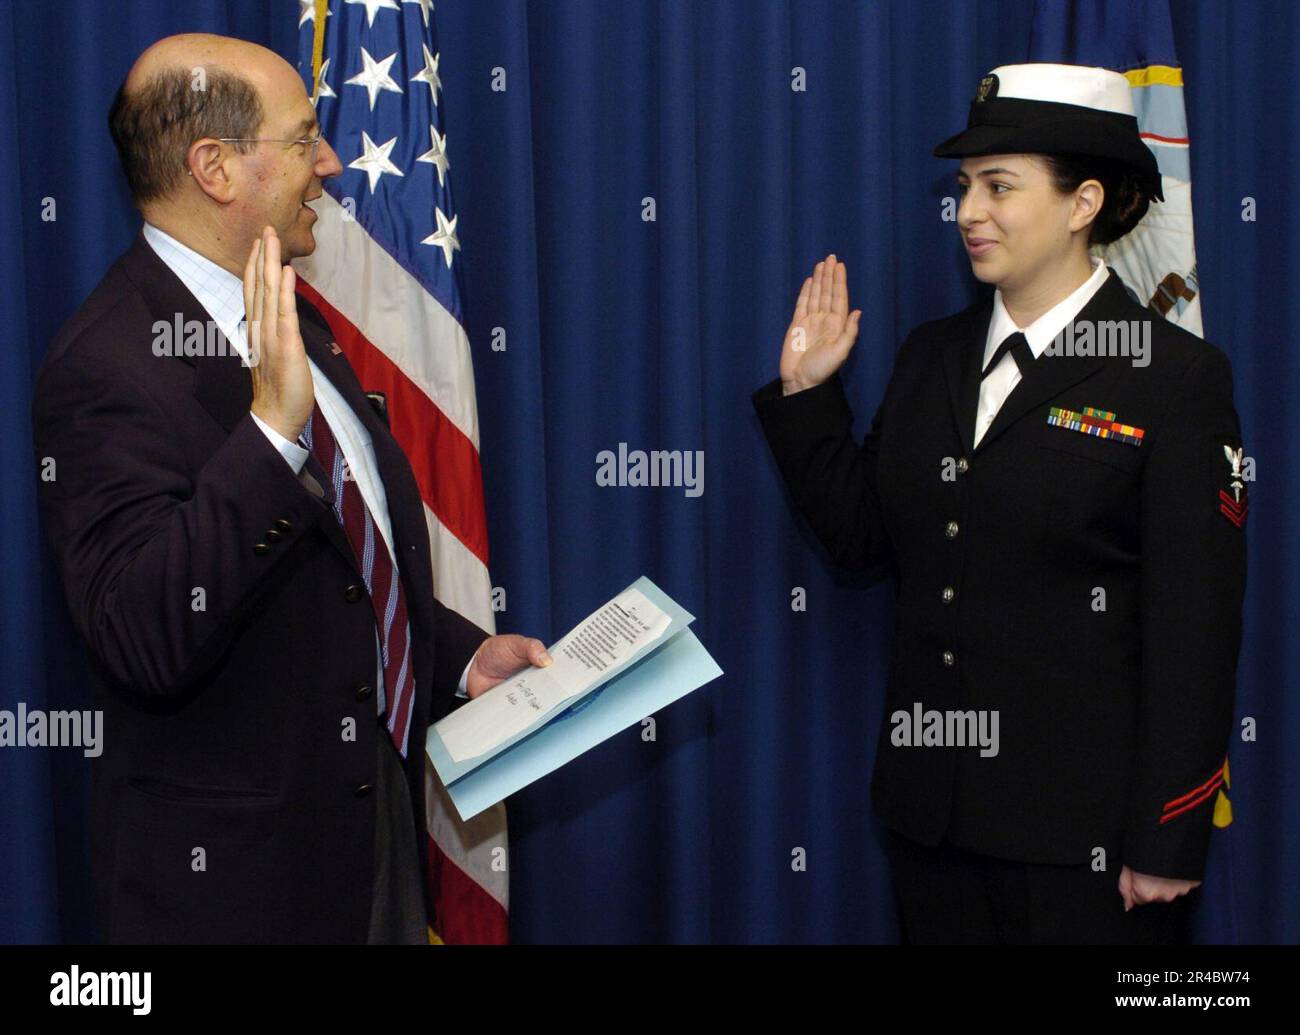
(662, 671)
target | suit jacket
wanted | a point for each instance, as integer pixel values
(1113, 720)
(230, 635)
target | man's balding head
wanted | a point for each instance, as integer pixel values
(205, 128)
(179, 90)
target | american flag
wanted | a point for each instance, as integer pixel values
(385, 276)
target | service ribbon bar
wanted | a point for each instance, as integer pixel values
(1090, 411)
(1093, 421)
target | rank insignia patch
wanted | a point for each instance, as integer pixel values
(1092, 421)
(1234, 507)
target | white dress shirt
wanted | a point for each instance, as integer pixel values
(995, 388)
(221, 294)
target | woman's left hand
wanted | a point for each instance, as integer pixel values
(1137, 889)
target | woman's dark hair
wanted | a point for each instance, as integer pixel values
(1126, 200)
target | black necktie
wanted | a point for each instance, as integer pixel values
(1018, 346)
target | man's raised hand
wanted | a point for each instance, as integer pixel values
(282, 388)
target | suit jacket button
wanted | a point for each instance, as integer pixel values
(963, 465)
(352, 594)
(272, 536)
(951, 530)
(947, 594)
(948, 658)
(363, 691)
(261, 549)
(364, 789)
(283, 525)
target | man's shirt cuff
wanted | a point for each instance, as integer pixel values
(294, 455)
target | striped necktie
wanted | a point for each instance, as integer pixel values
(387, 597)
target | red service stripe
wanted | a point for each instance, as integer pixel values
(445, 462)
(1216, 779)
(1236, 518)
(1165, 140)
(1191, 804)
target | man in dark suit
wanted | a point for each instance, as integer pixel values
(1070, 552)
(243, 547)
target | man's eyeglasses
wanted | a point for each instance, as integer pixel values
(312, 142)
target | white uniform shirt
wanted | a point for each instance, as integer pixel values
(995, 388)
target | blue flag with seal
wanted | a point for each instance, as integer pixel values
(1136, 38)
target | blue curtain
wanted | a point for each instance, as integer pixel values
(618, 328)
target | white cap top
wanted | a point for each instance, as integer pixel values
(1097, 88)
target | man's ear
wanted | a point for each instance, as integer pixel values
(210, 166)
(1088, 199)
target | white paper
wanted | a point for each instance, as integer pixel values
(581, 660)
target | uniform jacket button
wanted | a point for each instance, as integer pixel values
(272, 536)
(963, 465)
(352, 594)
(947, 594)
(948, 658)
(283, 525)
(951, 530)
(261, 549)
(364, 691)
(364, 789)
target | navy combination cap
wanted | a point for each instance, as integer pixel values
(1044, 108)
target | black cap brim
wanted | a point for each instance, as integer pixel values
(1013, 126)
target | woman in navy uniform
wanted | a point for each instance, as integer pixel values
(1055, 476)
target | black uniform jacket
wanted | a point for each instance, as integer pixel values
(1086, 589)
(232, 639)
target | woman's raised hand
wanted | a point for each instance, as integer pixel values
(822, 332)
